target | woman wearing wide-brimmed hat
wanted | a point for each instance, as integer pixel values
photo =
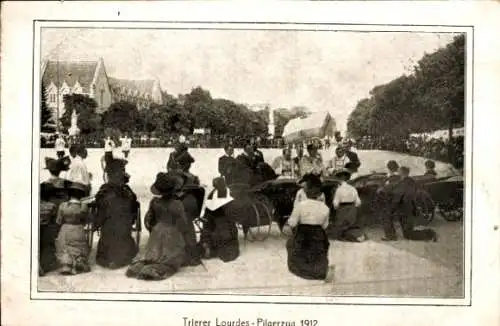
(72, 246)
(53, 192)
(168, 245)
(308, 246)
(116, 212)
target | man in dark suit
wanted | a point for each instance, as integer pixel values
(384, 199)
(226, 164)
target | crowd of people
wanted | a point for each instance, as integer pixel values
(431, 148)
(67, 211)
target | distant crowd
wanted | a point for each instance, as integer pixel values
(435, 149)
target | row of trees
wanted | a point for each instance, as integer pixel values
(183, 114)
(430, 98)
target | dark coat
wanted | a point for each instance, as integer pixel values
(116, 207)
(226, 167)
(354, 160)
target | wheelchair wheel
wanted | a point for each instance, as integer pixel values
(262, 229)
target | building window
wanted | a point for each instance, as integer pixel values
(52, 98)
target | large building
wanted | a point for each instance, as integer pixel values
(89, 78)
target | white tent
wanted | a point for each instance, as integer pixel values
(317, 125)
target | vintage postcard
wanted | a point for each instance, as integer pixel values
(228, 162)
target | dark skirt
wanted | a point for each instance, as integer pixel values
(48, 236)
(308, 252)
(220, 235)
(165, 254)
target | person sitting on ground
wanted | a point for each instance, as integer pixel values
(219, 236)
(312, 163)
(346, 202)
(167, 249)
(116, 212)
(72, 248)
(308, 246)
(284, 165)
(430, 167)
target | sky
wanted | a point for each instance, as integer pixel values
(324, 71)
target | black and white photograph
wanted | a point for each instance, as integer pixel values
(217, 164)
(263, 161)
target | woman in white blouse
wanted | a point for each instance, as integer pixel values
(308, 246)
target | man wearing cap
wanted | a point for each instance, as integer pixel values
(311, 163)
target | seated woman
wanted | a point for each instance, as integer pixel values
(346, 202)
(308, 247)
(168, 245)
(116, 212)
(72, 248)
(219, 237)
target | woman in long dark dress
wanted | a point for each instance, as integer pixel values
(116, 207)
(167, 248)
(308, 246)
(52, 193)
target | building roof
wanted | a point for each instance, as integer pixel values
(70, 72)
(136, 87)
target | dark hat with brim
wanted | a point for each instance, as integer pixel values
(47, 189)
(78, 188)
(115, 166)
(166, 184)
(344, 173)
(57, 165)
(313, 186)
(310, 177)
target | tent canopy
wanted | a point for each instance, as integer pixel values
(317, 125)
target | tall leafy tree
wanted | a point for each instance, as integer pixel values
(122, 115)
(85, 107)
(45, 112)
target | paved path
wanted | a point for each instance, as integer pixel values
(400, 268)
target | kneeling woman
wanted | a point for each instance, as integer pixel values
(168, 245)
(308, 247)
(117, 208)
(219, 237)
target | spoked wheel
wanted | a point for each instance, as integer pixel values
(262, 227)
